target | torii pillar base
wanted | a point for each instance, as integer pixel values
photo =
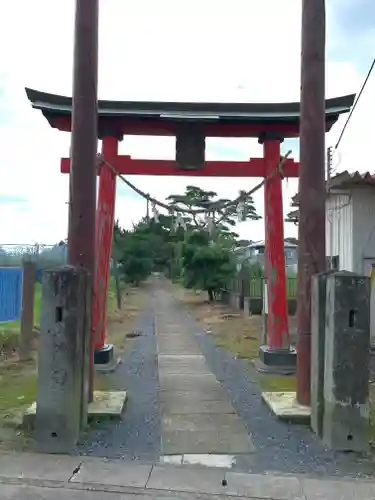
(276, 361)
(104, 355)
(105, 359)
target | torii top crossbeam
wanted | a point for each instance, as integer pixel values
(191, 123)
(163, 118)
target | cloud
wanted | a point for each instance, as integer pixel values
(6, 198)
(240, 50)
(351, 34)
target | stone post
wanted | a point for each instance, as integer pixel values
(346, 384)
(246, 307)
(27, 310)
(318, 319)
(234, 300)
(63, 361)
(225, 297)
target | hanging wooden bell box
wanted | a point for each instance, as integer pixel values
(190, 146)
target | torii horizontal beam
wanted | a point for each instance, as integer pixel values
(255, 167)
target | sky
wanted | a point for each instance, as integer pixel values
(217, 50)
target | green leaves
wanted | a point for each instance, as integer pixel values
(203, 259)
(205, 265)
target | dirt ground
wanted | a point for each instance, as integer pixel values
(18, 380)
(120, 322)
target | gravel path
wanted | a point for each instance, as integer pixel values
(137, 435)
(287, 448)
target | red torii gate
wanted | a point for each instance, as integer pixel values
(270, 123)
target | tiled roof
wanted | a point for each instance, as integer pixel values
(343, 180)
(347, 179)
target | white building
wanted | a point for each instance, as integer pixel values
(350, 227)
(350, 222)
(255, 253)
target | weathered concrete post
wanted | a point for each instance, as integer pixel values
(246, 307)
(318, 324)
(63, 362)
(346, 384)
(27, 311)
(225, 297)
(237, 301)
(235, 297)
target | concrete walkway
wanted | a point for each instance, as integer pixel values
(26, 476)
(197, 417)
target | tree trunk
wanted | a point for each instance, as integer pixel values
(117, 282)
(210, 295)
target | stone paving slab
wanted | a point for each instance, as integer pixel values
(315, 489)
(203, 422)
(264, 486)
(197, 416)
(23, 492)
(193, 407)
(182, 382)
(38, 466)
(26, 476)
(188, 480)
(193, 396)
(116, 473)
(166, 348)
(205, 442)
(175, 337)
(191, 364)
(204, 459)
(183, 370)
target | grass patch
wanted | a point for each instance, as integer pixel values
(277, 383)
(240, 347)
(17, 386)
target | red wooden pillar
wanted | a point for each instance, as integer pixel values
(105, 215)
(277, 323)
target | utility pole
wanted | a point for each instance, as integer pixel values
(312, 192)
(82, 203)
(330, 212)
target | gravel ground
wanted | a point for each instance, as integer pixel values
(282, 447)
(137, 435)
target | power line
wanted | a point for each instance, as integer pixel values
(356, 102)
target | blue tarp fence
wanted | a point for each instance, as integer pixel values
(10, 293)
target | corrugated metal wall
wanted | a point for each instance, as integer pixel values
(363, 227)
(10, 293)
(339, 229)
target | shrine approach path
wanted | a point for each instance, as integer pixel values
(192, 402)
